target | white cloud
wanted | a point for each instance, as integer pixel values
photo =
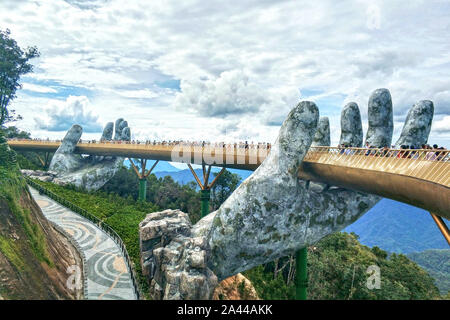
(231, 93)
(442, 126)
(241, 60)
(37, 88)
(139, 94)
(61, 115)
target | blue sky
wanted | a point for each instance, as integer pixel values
(220, 70)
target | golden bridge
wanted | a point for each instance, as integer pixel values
(417, 177)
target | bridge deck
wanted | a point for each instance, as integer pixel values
(417, 177)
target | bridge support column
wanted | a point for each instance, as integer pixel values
(142, 189)
(205, 196)
(205, 187)
(301, 274)
(442, 226)
(142, 175)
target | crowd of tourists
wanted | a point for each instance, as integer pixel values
(435, 153)
(405, 151)
(240, 145)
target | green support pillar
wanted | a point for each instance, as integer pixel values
(142, 189)
(204, 196)
(301, 274)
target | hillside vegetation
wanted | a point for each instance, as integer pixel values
(337, 267)
(437, 263)
(33, 256)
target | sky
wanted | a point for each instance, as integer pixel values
(225, 70)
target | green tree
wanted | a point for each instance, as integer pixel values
(14, 132)
(337, 270)
(13, 64)
(223, 188)
(26, 159)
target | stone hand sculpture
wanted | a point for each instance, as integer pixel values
(90, 172)
(272, 213)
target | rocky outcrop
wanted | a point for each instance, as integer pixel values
(92, 172)
(236, 287)
(174, 261)
(45, 176)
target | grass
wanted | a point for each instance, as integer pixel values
(12, 188)
(10, 250)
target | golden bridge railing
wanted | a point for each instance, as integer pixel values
(420, 177)
(427, 164)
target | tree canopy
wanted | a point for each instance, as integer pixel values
(13, 64)
(14, 132)
(223, 188)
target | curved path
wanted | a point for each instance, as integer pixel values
(108, 277)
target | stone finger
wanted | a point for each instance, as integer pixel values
(351, 126)
(295, 137)
(126, 134)
(118, 130)
(381, 119)
(322, 136)
(107, 132)
(71, 139)
(417, 125)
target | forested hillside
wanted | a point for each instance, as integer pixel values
(437, 263)
(337, 267)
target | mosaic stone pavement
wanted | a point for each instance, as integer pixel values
(108, 277)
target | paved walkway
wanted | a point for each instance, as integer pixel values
(108, 277)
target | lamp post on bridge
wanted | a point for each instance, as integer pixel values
(142, 175)
(205, 188)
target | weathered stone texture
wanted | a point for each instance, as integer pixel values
(381, 119)
(351, 126)
(322, 136)
(89, 172)
(417, 125)
(174, 261)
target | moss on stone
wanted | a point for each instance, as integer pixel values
(362, 206)
(270, 205)
(340, 219)
(216, 222)
(275, 236)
